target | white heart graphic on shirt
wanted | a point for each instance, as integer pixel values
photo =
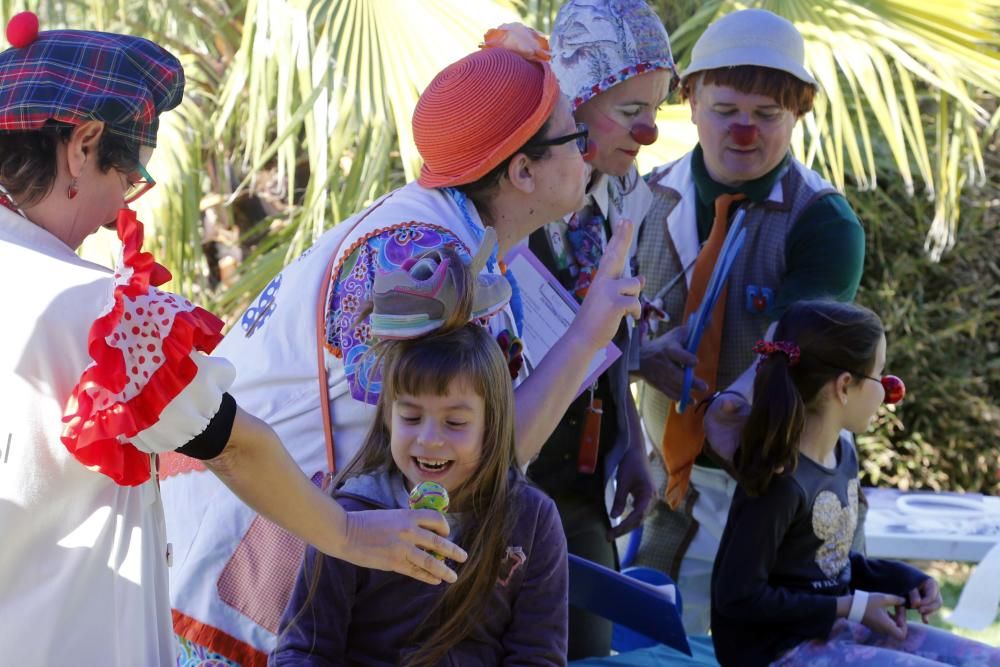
(835, 524)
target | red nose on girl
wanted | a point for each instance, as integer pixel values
(743, 135)
(895, 390)
(591, 151)
(643, 134)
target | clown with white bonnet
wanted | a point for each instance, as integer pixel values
(613, 62)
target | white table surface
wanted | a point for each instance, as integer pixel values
(920, 525)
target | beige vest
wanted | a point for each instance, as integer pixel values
(669, 244)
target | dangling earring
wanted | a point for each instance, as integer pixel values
(72, 191)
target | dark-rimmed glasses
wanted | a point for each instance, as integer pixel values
(581, 137)
(894, 387)
(138, 187)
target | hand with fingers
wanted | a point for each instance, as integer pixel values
(634, 480)
(662, 361)
(879, 619)
(402, 541)
(610, 296)
(724, 421)
(926, 598)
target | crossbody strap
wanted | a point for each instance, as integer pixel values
(324, 387)
(322, 375)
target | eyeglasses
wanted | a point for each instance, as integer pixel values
(894, 388)
(581, 137)
(137, 187)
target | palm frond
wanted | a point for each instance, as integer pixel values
(324, 91)
(885, 67)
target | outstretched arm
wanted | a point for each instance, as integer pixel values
(256, 467)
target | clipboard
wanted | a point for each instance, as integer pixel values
(549, 310)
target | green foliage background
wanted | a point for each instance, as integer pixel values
(296, 115)
(943, 326)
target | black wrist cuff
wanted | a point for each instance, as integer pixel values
(209, 443)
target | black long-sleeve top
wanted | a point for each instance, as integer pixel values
(785, 557)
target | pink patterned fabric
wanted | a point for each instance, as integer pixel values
(854, 644)
(352, 339)
(262, 599)
(265, 548)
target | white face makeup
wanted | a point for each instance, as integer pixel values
(612, 115)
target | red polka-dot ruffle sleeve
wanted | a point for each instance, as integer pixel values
(147, 353)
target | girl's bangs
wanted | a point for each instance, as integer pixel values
(430, 365)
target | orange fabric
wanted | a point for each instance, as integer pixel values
(324, 386)
(519, 38)
(685, 433)
(477, 112)
(217, 641)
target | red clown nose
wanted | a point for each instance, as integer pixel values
(743, 135)
(591, 151)
(644, 135)
(895, 390)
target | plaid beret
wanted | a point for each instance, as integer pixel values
(73, 76)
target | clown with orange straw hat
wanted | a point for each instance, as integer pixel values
(501, 150)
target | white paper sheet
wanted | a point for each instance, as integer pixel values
(548, 311)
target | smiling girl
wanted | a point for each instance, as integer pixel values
(445, 414)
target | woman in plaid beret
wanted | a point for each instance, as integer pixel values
(101, 372)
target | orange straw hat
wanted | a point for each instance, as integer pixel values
(478, 111)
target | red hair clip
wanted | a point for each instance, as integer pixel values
(767, 348)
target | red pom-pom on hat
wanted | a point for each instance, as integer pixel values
(22, 29)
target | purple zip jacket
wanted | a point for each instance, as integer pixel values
(360, 616)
